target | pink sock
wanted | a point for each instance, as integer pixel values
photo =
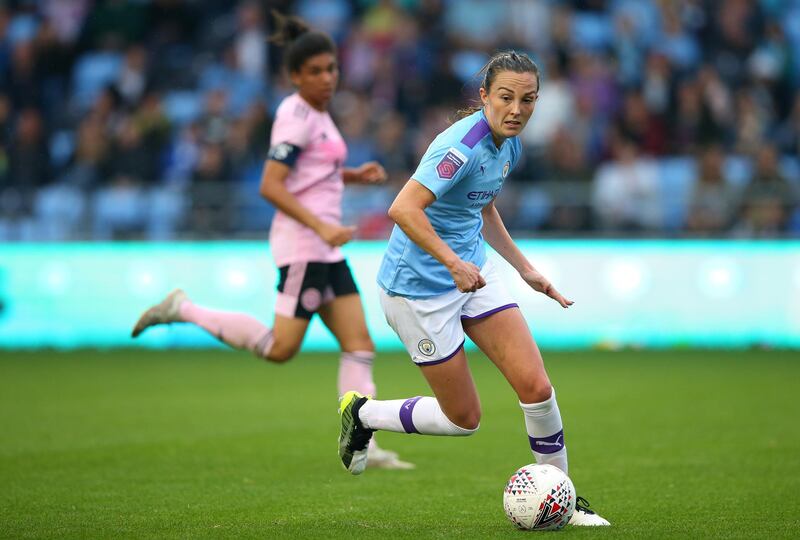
(355, 372)
(237, 330)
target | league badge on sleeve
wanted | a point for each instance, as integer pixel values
(506, 167)
(450, 163)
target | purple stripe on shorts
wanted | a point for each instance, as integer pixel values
(490, 312)
(547, 445)
(474, 135)
(442, 360)
(406, 411)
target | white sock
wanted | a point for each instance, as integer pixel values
(414, 415)
(545, 432)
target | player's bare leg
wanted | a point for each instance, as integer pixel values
(517, 356)
(344, 317)
(287, 338)
(454, 388)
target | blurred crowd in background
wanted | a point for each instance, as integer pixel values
(127, 119)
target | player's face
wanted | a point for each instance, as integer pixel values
(317, 78)
(510, 102)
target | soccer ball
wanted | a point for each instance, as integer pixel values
(539, 497)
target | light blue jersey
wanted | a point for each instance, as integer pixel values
(465, 171)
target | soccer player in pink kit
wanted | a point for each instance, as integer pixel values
(304, 179)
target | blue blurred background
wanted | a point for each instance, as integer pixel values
(659, 121)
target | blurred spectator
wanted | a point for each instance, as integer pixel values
(259, 126)
(29, 164)
(210, 212)
(768, 199)
(91, 153)
(240, 154)
(626, 191)
(129, 156)
(184, 155)
(554, 107)
(66, 16)
(789, 131)
(567, 159)
(133, 77)
(24, 80)
(657, 84)
(54, 59)
(122, 107)
(676, 43)
(737, 27)
(6, 120)
(638, 123)
(752, 121)
(354, 115)
(226, 77)
(215, 120)
(393, 149)
(251, 41)
(713, 202)
(155, 129)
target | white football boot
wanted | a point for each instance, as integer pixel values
(165, 312)
(584, 517)
(380, 458)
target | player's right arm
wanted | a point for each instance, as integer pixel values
(273, 189)
(408, 211)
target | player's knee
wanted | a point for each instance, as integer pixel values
(281, 353)
(535, 391)
(467, 420)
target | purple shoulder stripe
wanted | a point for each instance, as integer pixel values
(474, 135)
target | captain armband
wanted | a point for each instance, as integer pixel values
(286, 153)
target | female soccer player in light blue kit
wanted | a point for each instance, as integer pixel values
(437, 284)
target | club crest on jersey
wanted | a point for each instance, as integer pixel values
(450, 163)
(506, 168)
(426, 347)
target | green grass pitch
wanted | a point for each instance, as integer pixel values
(215, 444)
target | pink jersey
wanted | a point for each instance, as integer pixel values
(315, 180)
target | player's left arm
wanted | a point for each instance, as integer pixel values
(370, 172)
(495, 233)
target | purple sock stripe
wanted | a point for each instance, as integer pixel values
(476, 133)
(490, 312)
(406, 410)
(442, 360)
(547, 445)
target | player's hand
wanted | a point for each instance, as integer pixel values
(335, 235)
(540, 283)
(467, 276)
(371, 172)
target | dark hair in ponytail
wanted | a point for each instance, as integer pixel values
(299, 41)
(502, 61)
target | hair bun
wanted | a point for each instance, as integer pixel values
(287, 28)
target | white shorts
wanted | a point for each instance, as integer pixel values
(430, 328)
